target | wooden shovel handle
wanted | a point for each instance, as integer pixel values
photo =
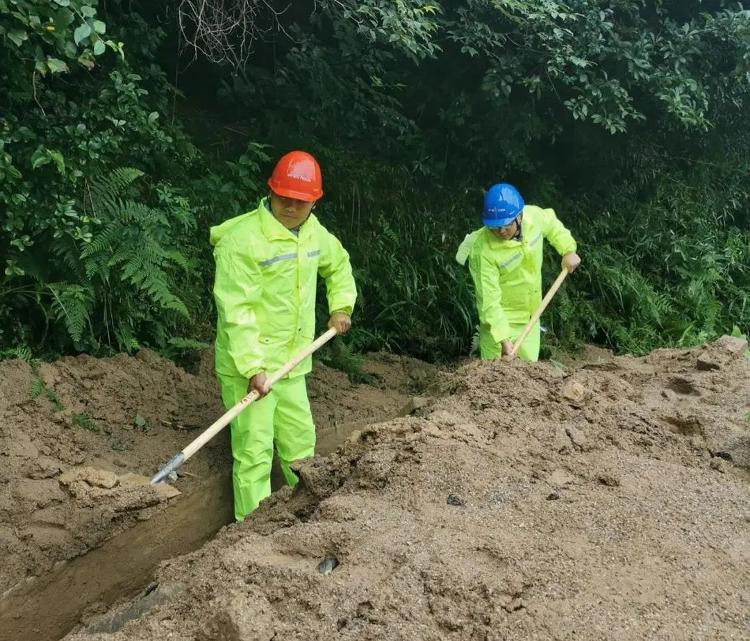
(538, 313)
(216, 427)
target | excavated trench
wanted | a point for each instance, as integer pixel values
(75, 538)
(47, 607)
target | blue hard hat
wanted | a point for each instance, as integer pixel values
(502, 203)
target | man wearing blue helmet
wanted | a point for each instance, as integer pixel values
(505, 261)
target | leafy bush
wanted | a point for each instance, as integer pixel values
(98, 244)
(631, 118)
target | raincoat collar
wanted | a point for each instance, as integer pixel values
(274, 230)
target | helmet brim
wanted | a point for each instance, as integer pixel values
(308, 197)
(494, 223)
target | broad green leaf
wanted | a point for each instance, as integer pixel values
(56, 65)
(81, 33)
(62, 18)
(17, 36)
(99, 26)
(58, 159)
(99, 47)
(88, 12)
(14, 270)
(63, 3)
(39, 158)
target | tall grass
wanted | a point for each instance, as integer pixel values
(670, 270)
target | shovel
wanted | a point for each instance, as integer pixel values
(182, 456)
(538, 313)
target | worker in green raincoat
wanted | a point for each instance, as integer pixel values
(267, 262)
(505, 261)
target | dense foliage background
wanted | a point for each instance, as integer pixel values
(127, 128)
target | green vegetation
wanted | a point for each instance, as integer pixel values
(123, 138)
(141, 423)
(38, 388)
(86, 422)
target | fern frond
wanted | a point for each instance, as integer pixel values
(102, 241)
(67, 250)
(106, 189)
(157, 287)
(474, 349)
(183, 343)
(71, 304)
(21, 352)
(125, 339)
(37, 387)
(131, 212)
(178, 258)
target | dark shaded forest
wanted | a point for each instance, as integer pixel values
(128, 128)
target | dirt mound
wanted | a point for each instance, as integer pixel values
(73, 431)
(531, 503)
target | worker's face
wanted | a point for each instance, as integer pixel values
(290, 212)
(507, 232)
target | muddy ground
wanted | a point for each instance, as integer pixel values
(606, 501)
(609, 499)
(73, 432)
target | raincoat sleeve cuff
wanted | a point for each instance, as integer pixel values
(248, 374)
(501, 332)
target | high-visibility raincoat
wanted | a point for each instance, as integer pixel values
(507, 277)
(265, 286)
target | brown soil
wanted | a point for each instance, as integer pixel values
(66, 455)
(609, 501)
(606, 500)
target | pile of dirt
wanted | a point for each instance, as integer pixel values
(73, 433)
(608, 501)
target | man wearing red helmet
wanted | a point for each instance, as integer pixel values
(267, 262)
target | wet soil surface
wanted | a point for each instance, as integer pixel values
(76, 434)
(607, 500)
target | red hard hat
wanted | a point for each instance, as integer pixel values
(297, 175)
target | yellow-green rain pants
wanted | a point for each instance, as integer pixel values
(528, 351)
(281, 419)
